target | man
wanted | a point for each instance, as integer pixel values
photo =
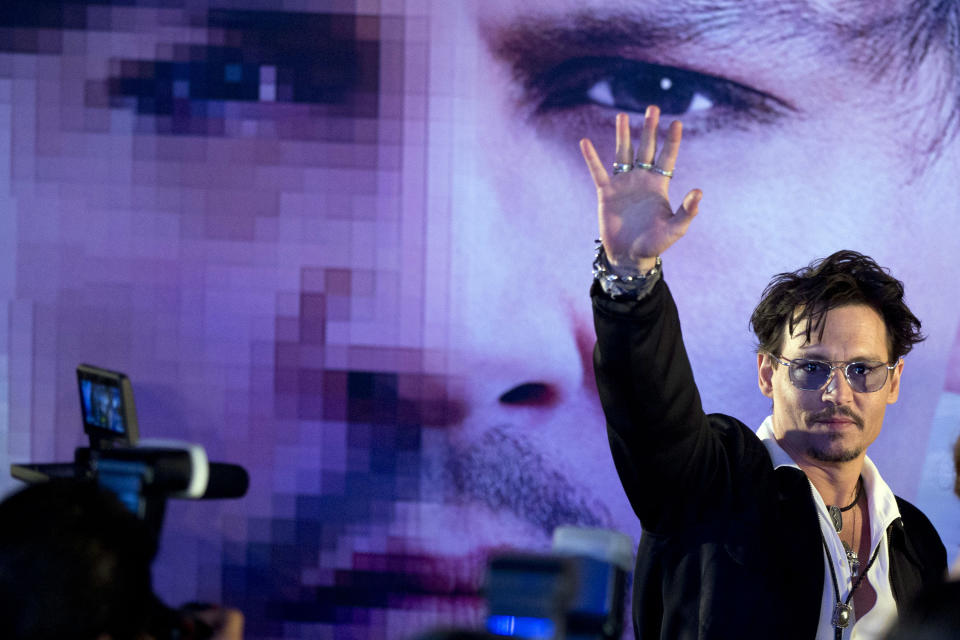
(790, 533)
(335, 242)
(75, 563)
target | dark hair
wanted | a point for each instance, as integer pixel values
(74, 563)
(932, 615)
(956, 467)
(846, 277)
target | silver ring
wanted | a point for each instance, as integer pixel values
(663, 172)
(646, 166)
(621, 167)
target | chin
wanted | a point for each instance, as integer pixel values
(835, 455)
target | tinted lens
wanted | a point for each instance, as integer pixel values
(866, 377)
(809, 374)
(863, 377)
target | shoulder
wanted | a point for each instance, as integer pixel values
(740, 451)
(920, 539)
(739, 439)
(914, 521)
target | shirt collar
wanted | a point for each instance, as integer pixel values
(883, 504)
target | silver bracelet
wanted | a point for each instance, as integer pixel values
(616, 285)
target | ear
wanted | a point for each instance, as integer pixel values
(893, 389)
(765, 372)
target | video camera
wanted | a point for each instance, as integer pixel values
(69, 526)
(576, 592)
(142, 473)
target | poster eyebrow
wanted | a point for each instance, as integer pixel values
(680, 22)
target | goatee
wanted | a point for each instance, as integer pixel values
(843, 455)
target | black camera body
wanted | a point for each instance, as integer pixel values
(576, 592)
(142, 473)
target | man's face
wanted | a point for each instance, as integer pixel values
(832, 424)
(351, 251)
(793, 130)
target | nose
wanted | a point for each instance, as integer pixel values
(549, 390)
(837, 391)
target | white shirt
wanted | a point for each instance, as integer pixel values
(883, 511)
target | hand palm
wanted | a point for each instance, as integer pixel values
(635, 217)
(636, 221)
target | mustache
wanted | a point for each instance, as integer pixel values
(507, 474)
(833, 412)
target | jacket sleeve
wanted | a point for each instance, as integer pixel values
(678, 466)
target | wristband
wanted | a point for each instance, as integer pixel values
(622, 286)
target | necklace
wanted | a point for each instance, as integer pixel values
(842, 612)
(852, 559)
(835, 512)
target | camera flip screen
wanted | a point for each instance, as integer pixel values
(102, 405)
(106, 406)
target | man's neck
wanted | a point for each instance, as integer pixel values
(836, 482)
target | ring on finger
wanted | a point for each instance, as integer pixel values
(646, 166)
(663, 172)
(621, 167)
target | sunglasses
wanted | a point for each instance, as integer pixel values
(812, 375)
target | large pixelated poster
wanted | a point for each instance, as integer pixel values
(347, 244)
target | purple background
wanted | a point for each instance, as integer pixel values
(347, 245)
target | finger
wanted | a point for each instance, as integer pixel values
(594, 164)
(226, 623)
(624, 145)
(648, 136)
(232, 626)
(668, 155)
(687, 211)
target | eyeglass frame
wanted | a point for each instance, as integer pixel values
(834, 365)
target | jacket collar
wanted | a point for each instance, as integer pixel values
(884, 511)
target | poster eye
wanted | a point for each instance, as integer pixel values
(621, 84)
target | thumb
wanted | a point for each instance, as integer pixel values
(687, 210)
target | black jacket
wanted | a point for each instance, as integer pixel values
(731, 547)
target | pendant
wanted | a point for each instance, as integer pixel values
(842, 615)
(852, 559)
(837, 517)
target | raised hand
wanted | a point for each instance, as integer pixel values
(637, 223)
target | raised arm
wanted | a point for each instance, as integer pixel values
(637, 223)
(678, 466)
